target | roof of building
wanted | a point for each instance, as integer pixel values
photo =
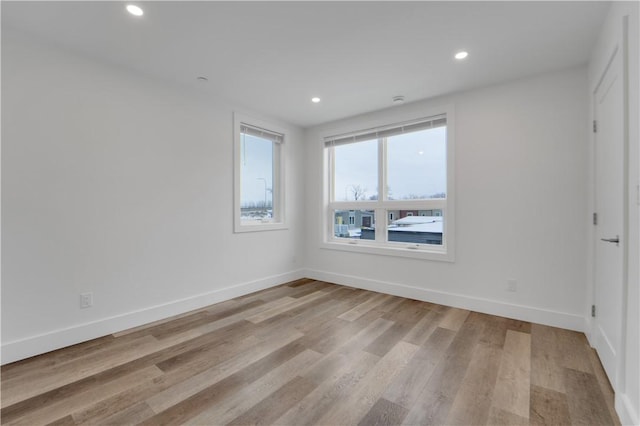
(433, 224)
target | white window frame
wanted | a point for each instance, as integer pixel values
(382, 207)
(278, 204)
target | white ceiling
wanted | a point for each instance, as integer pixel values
(272, 57)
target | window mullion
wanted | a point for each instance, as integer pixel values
(381, 222)
(382, 169)
(428, 204)
(332, 172)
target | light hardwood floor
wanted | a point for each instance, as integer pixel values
(311, 352)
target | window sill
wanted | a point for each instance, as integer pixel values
(412, 252)
(259, 226)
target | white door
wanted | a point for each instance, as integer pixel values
(609, 199)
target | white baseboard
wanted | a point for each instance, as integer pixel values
(487, 306)
(628, 415)
(46, 342)
(588, 329)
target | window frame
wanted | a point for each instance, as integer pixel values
(383, 207)
(278, 185)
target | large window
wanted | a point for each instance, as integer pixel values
(259, 201)
(390, 189)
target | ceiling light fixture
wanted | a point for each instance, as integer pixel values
(315, 100)
(134, 10)
(397, 100)
(461, 55)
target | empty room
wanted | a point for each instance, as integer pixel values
(320, 213)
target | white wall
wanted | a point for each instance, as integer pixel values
(628, 393)
(118, 185)
(521, 200)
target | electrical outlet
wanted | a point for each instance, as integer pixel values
(86, 300)
(512, 285)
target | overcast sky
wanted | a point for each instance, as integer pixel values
(415, 167)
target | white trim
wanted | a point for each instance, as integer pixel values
(588, 329)
(422, 251)
(46, 342)
(625, 411)
(279, 202)
(256, 226)
(477, 304)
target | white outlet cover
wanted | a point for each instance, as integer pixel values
(86, 300)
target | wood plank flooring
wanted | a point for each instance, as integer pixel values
(311, 352)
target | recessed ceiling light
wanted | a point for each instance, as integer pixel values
(398, 100)
(461, 55)
(315, 100)
(134, 10)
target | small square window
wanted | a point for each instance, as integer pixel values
(354, 224)
(417, 230)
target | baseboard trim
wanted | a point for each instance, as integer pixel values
(588, 329)
(625, 410)
(487, 306)
(35, 345)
